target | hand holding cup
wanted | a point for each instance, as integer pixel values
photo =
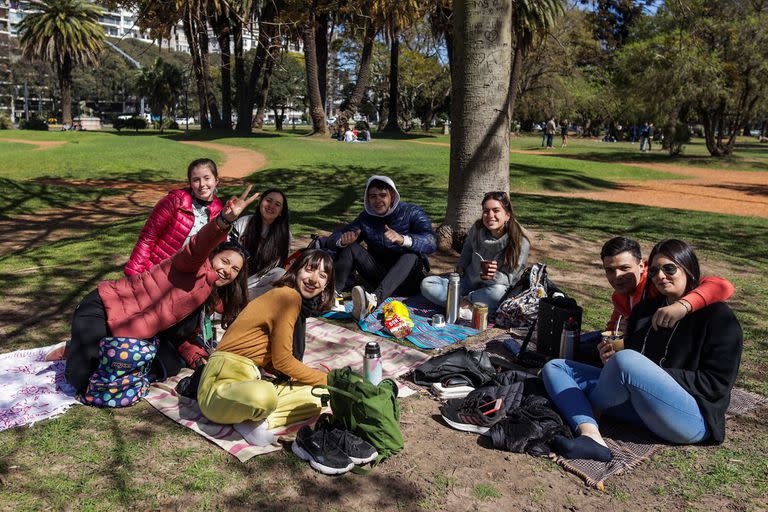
(488, 270)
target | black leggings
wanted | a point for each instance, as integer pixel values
(401, 272)
(89, 326)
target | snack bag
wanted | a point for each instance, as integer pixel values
(397, 320)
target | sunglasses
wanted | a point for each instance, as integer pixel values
(669, 270)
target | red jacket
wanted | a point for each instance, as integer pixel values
(142, 305)
(166, 229)
(709, 291)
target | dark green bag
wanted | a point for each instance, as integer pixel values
(368, 411)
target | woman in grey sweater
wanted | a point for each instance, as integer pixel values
(492, 260)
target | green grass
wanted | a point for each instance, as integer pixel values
(485, 492)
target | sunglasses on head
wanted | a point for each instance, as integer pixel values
(669, 269)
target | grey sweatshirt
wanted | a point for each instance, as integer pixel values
(479, 243)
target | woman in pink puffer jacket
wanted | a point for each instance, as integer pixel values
(177, 217)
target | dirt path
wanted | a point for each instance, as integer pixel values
(707, 190)
(41, 144)
(239, 163)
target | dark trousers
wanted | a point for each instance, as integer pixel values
(89, 326)
(400, 272)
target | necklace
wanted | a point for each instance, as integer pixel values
(666, 348)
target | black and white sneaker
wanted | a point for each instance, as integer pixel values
(476, 413)
(321, 451)
(362, 302)
(358, 450)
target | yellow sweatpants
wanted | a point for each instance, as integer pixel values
(231, 391)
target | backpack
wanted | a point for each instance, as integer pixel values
(368, 411)
(521, 310)
(474, 365)
(120, 379)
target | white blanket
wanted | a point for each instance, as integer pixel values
(31, 388)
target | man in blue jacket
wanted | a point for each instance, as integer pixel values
(398, 237)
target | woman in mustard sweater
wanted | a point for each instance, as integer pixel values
(256, 379)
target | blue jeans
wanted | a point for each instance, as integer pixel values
(435, 289)
(630, 388)
(550, 136)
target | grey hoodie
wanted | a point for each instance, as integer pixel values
(395, 200)
(480, 243)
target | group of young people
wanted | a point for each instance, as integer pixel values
(197, 257)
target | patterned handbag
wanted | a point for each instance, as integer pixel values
(120, 379)
(523, 309)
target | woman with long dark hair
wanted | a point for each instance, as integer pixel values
(492, 259)
(143, 305)
(256, 378)
(266, 236)
(177, 217)
(675, 381)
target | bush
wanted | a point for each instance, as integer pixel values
(5, 122)
(134, 123)
(34, 123)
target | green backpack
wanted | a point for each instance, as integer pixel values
(368, 411)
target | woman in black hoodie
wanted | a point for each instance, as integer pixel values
(676, 380)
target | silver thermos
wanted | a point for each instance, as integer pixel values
(568, 339)
(454, 299)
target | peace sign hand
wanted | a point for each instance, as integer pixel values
(236, 205)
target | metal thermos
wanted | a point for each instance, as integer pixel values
(372, 363)
(454, 299)
(568, 339)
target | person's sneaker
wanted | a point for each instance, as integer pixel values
(255, 433)
(476, 413)
(321, 451)
(362, 302)
(357, 449)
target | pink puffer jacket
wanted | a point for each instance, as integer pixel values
(166, 229)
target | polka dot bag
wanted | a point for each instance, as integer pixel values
(121, 377)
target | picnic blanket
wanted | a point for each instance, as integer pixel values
(31, 388)
(631, 446)
(424, 335)
(326, 343)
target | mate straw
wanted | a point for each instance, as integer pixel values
(616, 327)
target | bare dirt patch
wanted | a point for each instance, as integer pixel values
(239, 163)
(41, 144)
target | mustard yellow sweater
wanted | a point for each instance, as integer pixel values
(263, 332)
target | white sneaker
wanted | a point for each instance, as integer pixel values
(362, 302)
(256, 433)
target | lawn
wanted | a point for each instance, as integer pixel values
(105, 459)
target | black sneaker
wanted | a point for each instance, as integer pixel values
(476, 413)
(321, 451)
(357, 449)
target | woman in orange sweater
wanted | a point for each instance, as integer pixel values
(260, 343)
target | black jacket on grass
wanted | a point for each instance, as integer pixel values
(702, 353)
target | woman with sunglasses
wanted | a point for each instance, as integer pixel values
(492, 259)
(144, 305)
(256, 379)
(676, 382)
(266, 236)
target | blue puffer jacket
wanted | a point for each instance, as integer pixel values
(405, 218)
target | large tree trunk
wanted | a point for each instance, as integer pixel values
(316, 107)
(237, 35)
(479, 108)
(363, 71)
(65, 84)
(261, 99)
(394, 96)
(514, 78)
(210, 96)
(321, 51)
(248, 96)
(194, 50)
(226, 75)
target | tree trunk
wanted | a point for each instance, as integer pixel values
(226, 75)
(194, 50)
(261, 99)
(210, 97)
(709, 132)
(278, 119)
(237, 34)
(65, 84)
(248, 97)
(479, 113)
(321, 52)
(514, 78)
(363, 71)
(316, 108)
(394, 65)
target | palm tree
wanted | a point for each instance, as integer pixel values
(65, 33)
(161, 84)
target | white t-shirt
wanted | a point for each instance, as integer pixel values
(349, 136)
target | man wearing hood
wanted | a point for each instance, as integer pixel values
(398, 237)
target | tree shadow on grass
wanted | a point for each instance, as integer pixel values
(620, 157)
(558, 180)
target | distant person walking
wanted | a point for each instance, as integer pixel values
(564, 132)
(646, 136)
(544, 134)
(550, 131)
